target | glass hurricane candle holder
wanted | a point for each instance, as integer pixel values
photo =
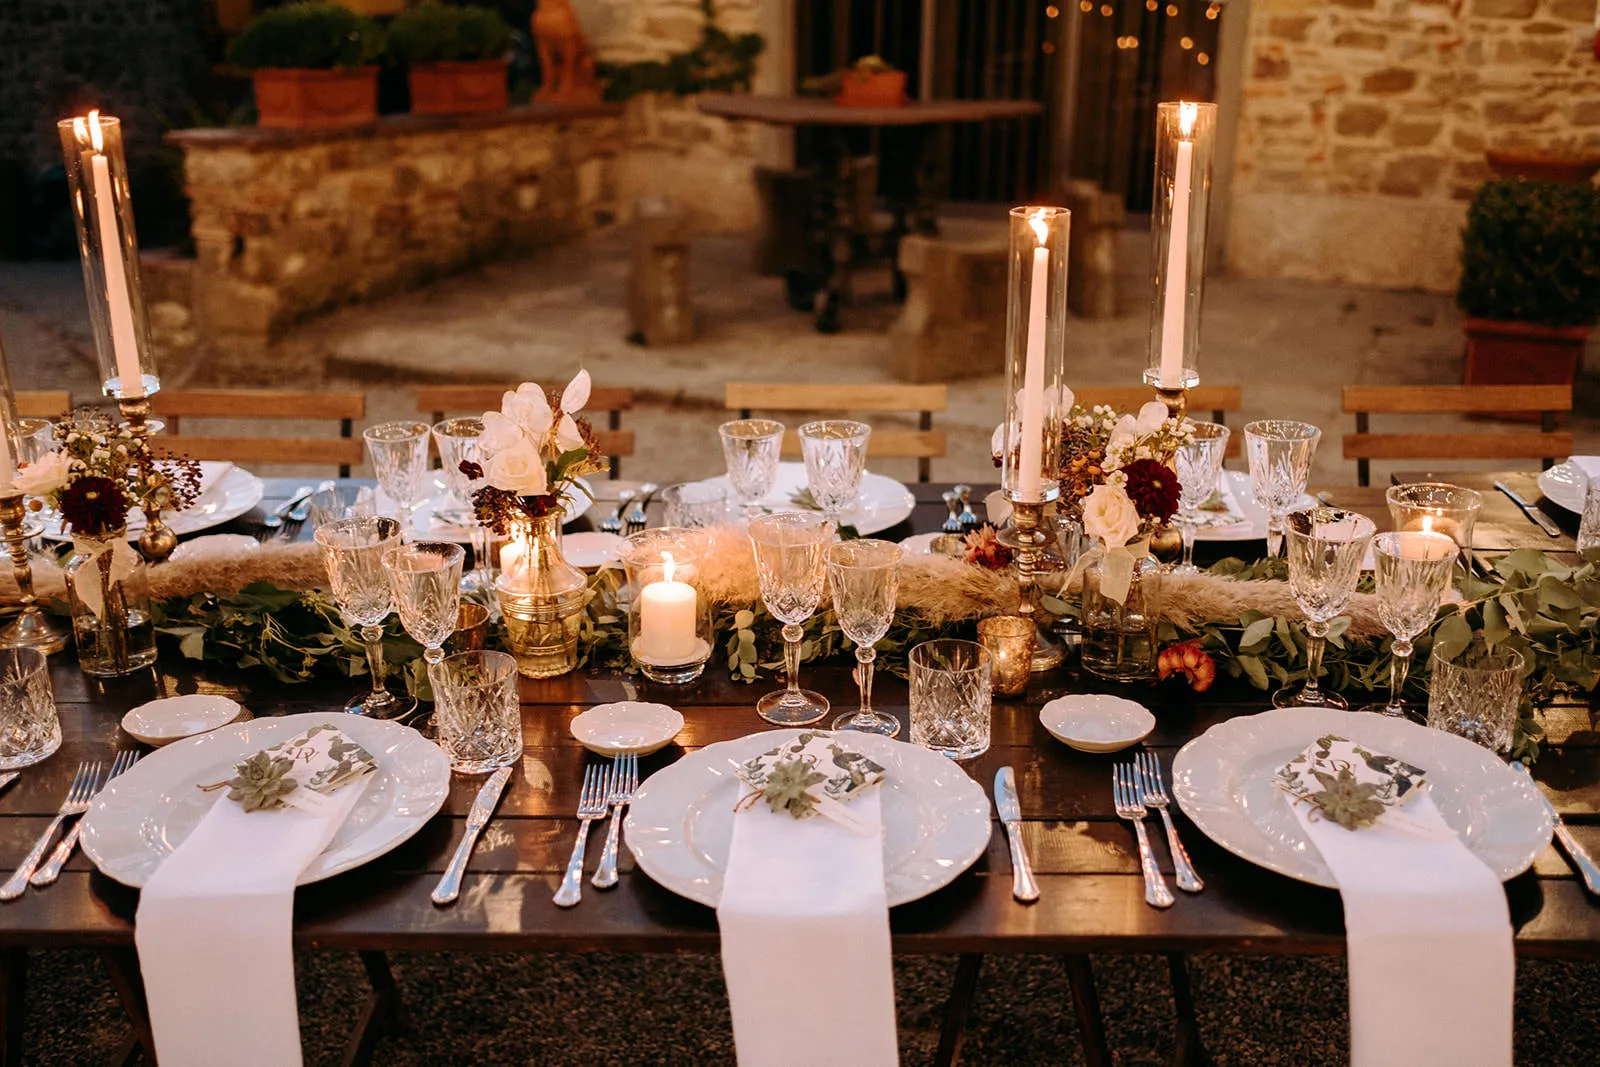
(1435, 507)
(1036, 319)
(102, 208)
(1186, 136)
(669, 621)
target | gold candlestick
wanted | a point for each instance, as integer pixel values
(1029, 537)
(157, 541)
(1177, 401)
(30, 629)
(1166, 544)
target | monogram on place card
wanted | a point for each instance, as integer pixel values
(1347, 783)
(300, 772)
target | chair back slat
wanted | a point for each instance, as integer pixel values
(887, 444)
(1547, 444)
(1528, 444)
(1455, 399)
(316, 451)
(258, 404)
(345, 450)
(43, 403)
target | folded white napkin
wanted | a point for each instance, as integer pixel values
(212, 472)
(1222, 520)
(1432, 972)
(213, 933)
(1589, 465)
(805, 940)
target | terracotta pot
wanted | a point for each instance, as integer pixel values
(881, 89)
(316, 99)
(454, 88)
(1537, 166)
(1521, 353)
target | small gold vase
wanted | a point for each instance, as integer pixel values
(542, 597)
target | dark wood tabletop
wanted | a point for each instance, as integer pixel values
(822, 111)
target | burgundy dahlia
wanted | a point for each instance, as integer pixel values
(1153, 488)
(94, 506)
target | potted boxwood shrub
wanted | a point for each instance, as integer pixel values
(1530, 281)
(313, 65)
(455, 57)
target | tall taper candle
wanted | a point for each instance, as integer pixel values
(1177, 282)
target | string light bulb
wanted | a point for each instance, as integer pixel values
(1202, 59)
(1186, 43)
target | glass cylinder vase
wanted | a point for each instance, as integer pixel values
(1119, 637)
(102, 208)
(1186, 137)
(542, 597)
(1036, 320)
(669, 619)
(110, 592)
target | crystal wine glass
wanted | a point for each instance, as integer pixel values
(1412, 570)
(1325, 548)
(835, 453)
(790, 548)
(333, 502)
(353, 549)
(1280, 453)
(426, 579)
(751, 448)
(864, 578)
(458, 443)
(399, 453)
(1199, 465)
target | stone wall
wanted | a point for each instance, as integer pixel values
(288, 223)
(633, 31)
(1364, 122)
(672, 149)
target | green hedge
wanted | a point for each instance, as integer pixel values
(1531, 253)
(433, 32)
(307, 36)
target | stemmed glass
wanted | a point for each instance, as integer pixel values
(790, 548)
(835, 453)
(333, 502)
(751, 448)
(426, 579)
(1325, 548)
(353, 549)
(1280, 453)
(1199, 464)
(1412, 571)
(399, 453)
(864, 578)
(458, 443)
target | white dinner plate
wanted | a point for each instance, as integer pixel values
(1223, 781)
(147, 812)
(432, 526)
(1254, 526)
(161, 722)
(636, 726)
(235, 493)
(936, 818)
(881, 503)
(1564, 485)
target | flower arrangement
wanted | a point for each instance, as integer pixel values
(100, 471)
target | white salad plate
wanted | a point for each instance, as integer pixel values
(1223, 780)
(233, 494)
(680, 824)
(590, 549)
(161, 722)
(1096, 722)
(635, 726)
(881, 502)
(145, 813)
(1253, 527)
(1564, 485)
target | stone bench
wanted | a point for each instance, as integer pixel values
(954, 321)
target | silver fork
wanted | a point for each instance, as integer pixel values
(624, 780)
(592, 805)
(613, 522)
(1130, 807)
(638, 518)
(52, 867)
(1154, 795)
(84, 786)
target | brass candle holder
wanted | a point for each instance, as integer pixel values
(1176, 400)
(30, 629)
(1029, 536)
(157, 541)
(1166, 544)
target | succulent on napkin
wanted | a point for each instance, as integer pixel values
(1346, 783)
(299, 772)
(813, 767)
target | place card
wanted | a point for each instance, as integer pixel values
(813, 774)
(300, 772)
(1353, 786)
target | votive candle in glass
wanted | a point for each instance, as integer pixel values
(669, 626)
(1435, 507)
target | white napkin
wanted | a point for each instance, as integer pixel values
(805, 941)
(213, 933)
(1432, 973)
(1589, 465)
(1234, 516)
(212, 472)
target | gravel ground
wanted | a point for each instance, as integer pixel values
(624, 1009)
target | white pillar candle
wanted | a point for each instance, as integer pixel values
(1177, 272)
(668, 611)
(124, 338)
(1030, 463)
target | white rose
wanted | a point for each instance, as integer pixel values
(1109, 515)
(499, 432)
(44, 475)
(518, 469)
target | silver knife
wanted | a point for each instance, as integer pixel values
(449, 886)
(1023, 887)
(8, 777)
(1579, 855)
(1544, 521)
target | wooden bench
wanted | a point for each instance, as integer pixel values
(923, 444)
(437, 400)
(174, 405)
(1217, 399)
(1547, 444)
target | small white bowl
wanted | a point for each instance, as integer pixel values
(634, 726)
(1095, 722)
(161, 722)
(590, 549)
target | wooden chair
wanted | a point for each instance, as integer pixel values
(614, 441)
(1217, 399)
(924, 444)
(43, 403)
(174, 405)
(1547, 444)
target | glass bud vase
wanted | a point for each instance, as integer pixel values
(110, 605)
(1119, 639)
(542, 597)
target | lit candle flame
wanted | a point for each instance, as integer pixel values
(1188, 115)
(667, 566)
(87, 131)
(1040, 229)
(1427, 524)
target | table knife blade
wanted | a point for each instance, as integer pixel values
(483, 806)
(1545, 522)
(1588, 870)
(1023, 886)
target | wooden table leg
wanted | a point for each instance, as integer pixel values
(1188, 1050)
(383, 1013)
(122, 966)
(962, 993)
(1086, 1006)
(13, 991)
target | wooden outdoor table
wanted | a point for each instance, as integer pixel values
(1092, 895)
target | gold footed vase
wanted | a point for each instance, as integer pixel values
(542, 598)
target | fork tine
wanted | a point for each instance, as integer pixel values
(1116, 784)
(633, 772)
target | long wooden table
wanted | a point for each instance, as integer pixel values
(1085, 858)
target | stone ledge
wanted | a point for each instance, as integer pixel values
(257, 137)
